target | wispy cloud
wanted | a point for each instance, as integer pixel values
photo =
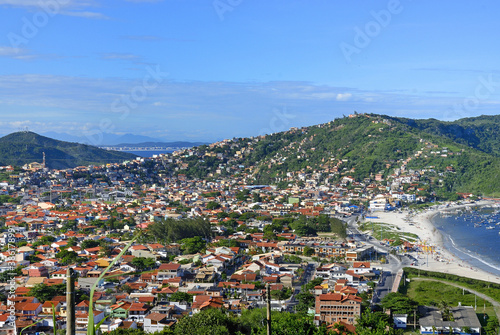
(66, 7)
(343, 96)
(142, 38)
(120, 56)
(144, 1)
(210, 109)
(23, 54)
(86, 14)
(10, 51)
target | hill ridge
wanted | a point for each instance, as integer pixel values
(25, 147)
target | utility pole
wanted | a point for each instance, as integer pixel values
(70, 302)
(268, 296)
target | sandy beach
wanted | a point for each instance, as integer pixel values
(440, 260)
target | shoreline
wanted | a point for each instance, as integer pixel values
(440, 259)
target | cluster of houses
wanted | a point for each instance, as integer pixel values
(150, 300)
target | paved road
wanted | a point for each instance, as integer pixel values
(495, 303)
(394, 263)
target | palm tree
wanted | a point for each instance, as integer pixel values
(445, 311)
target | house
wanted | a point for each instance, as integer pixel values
(138, 311)
(82, 320)
(29, 309)
(38, 270)
(156, 322)
(120, 310)
(7, 327)
(464, 318)
(117, 323)
(331, 271)
(168, 271)
(400, 320)
(50, 306)
(87, 283)
(361, 267)
(202, 302)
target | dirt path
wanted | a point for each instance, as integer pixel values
(495, 303)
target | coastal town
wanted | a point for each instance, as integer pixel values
(259, 236)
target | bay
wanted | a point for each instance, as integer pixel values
(473, 236)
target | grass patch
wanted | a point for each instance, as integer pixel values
(381, 231)
(492, 290)
(431, 293)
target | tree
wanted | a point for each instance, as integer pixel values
(285, 323)
(306, 300)
(375, 323)
(211, 205)
(193, 245)
(281, 294)
(398, 303)
(126, 288)
(308, 251)
(143, 263)
(89, 244)
(341, 329)
(181, 296)
(211, 321)
(446, 311)
(68, 257)
(44, 292)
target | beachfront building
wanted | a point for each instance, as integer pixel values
(378, 203)
(463, 321)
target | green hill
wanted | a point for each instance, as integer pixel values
(26, 147)
(482, 132)
(461, 156)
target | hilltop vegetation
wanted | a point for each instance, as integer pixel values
(482, 132)
(462, 156)
(26, 147)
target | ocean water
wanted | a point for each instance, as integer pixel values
(147, 153)
(473, 236)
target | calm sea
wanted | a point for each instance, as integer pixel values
(473, 236)
(147, 153)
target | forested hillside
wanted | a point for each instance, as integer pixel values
(26, 147)
(363, 146)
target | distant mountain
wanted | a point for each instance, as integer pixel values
(26, 147)
(178, 144)
(63, 137)
(104, 139)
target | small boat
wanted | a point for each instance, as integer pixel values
(490, 227)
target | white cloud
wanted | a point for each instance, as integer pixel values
(211, 109)
(60, 7)
(86, 14)
(20, 3)
(144, 1)
(120, 56)
(343, 96)
(10, 51)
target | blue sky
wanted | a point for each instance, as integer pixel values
(208, 70)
